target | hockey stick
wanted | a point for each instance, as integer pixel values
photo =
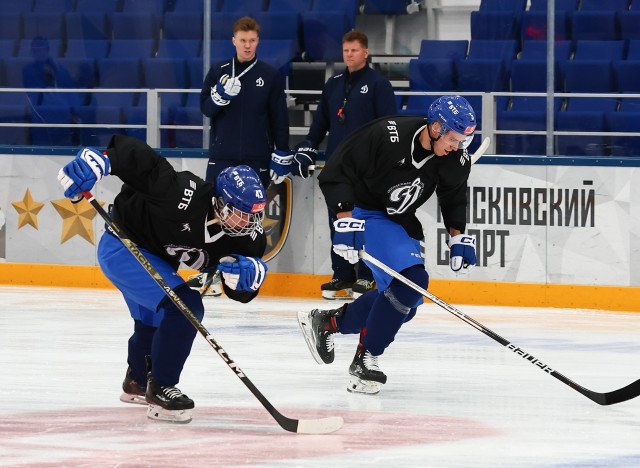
(484, 146)
(608, 398)
(303, 426)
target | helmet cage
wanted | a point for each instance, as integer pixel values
(235, 222)
(240, 200)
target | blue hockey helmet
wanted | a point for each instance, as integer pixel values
(454, 113)
(240, 200)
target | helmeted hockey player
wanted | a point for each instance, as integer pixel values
(173, 217)
(375, 182)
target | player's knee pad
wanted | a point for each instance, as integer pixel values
(401, 296)
(191, 299)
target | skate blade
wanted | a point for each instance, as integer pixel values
(309, 337)
(367, 387)
(342, 295)
(133, 399)
(176, 416)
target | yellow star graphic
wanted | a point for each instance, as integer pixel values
(76, 219)
(28, 210)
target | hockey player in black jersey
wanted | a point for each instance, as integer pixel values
(375, 181)
(173, 217)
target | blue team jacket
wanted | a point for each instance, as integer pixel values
(255, 121)
(368, 94)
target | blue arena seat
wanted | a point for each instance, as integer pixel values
(98, 137)
(183, 25)
(322, 32)
(82, 71)
(11, 26)
(131, 48)
(188, 115)
(170, 73)
(503, 5)
(289, 5)
(633, 50)
(118, 73)
(243, 7)
(594, 25)
(505, 50)
(90, 48)
(280, 26)
(581, 145)
(418, 105)
(53, 136)
(432, 75)
(384, 7)
(222, 25)
(624, 121)
(133, 25)
(533, 25)
(15, 6)
(194, 5)
(175, 48)
(537, 50)
(223, 49)
(560, 5)
(89, 25)
(8, 47)
(629, 24)
(53, 6)
(482, 75)
(14, 113)
(599, 5)
(150, 7)
(103, 6)
(494, 25)
(25, 47)
(49, 25)
(522, 143)
(431, 49)
(599, 50)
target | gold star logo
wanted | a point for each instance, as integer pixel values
(28, 210)
(76, 219)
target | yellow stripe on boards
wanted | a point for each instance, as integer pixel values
(612, 298)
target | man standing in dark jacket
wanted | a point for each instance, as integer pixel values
(350, 99)
(244, 97)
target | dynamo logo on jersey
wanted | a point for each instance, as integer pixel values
(404, 196)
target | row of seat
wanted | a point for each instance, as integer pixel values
(532, 24)
(519, 6)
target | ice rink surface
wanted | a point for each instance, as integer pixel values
(454, 397)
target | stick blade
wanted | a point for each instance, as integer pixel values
(320, 426)
(623, 394)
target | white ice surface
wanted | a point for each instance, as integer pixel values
(454, 398)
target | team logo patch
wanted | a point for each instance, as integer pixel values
(277, 218)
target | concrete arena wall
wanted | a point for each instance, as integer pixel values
(549, 235)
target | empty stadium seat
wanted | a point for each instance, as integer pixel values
(188, 115)
(223, 49)
(89, 48)
(150, 7)
(594, 25)
(222, 25)
(26, 47)
(521, 142)
(49, 25)
(11, 26)
(581, 145)
(560, 5)
(482, 75)
(194, 5)
(104, 115)
(533, 25)
(132, 48)
(418, 105)
(494, 25)
(53, 136)
(599, 50)
(289, 5)
(280, 26)
(183, 25)
(118, 73)
(384, 7)
(503, 5)
(243, 7)
(537, 50)
(8, 47)
(613, 5)
(50, 6)
(170, 73)
(10, 113)
(432, 75)
(324, 26)
(629, 24)
(492, 49)
(89, 25)
(624, 121)
(431, 49)
(175, 48)
(133, 25)
(15, 6)
(103, 6)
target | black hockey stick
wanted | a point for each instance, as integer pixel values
(304, 426)
(608, 398)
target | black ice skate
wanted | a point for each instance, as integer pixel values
(366, 376)
(362, 286)
(132, 391)
(318, 327)
(206, 283)
(337, 289)
(167, 403)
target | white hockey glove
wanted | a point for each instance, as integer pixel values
(462, 257)
(225, 89)
(243, 273)
(305, 156)
(81, 174)
(348, 238)
(280, 165)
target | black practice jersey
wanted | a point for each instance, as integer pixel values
(170, 213)
(383, 167)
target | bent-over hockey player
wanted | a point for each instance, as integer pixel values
(172, 217)
(375, 181)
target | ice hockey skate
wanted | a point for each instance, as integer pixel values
(337, 289)
(167, 403)
(206, 283)
(132, 391)
(362, 286)
(318, 327)
(365, 375)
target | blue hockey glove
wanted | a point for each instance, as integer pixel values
(81, 174)
(225, 89)
(305, 155)
(243, 273)
(280, 165)
(462, 257)
(348, 238)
